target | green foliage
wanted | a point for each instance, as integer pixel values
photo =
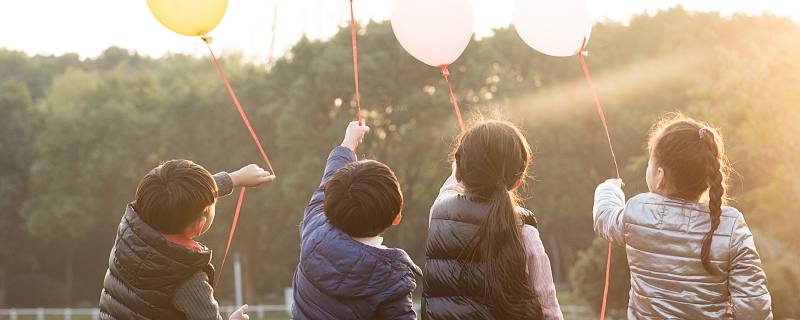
(73, 149)
(18, 123)
(91, 151)
(17, 133)
(588, 275)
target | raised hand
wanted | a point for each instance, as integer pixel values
(354, 134)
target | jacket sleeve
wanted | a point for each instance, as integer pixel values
(540, 274)
(747, 281)
(224, 184)
(339, 157)
(402, 308)
(450, 186)
(608, 212)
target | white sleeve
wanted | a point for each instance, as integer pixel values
(608, 212)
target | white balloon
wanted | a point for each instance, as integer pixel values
(434, 31)
(553, 27)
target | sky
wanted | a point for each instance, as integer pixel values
(87, 27)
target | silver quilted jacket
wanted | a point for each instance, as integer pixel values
(662, 237)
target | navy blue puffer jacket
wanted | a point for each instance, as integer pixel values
(341, 278)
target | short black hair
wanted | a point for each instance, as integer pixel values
(174, 194)
(363, 198)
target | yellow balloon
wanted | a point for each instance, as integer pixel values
(189, 17)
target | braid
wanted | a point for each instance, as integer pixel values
(716, 191)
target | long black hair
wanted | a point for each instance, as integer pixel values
(491, 157)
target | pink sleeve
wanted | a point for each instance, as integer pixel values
(540, 273)
(450, 186)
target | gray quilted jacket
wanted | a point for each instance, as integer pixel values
(662, 237)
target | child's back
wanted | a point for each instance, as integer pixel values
(663, 238)
(155, 269)
(484, 257)
(345, 272)
(145, 270)
(690, 256)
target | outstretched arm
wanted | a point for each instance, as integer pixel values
(248, 176)
(339, 157)
(608, 211)
(450, 186)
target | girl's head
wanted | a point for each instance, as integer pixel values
(492, 160)
(490, 156)
(687, 161)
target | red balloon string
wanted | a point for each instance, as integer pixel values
(230, 237)
(605, 289)
(252, 133)
(597, 103)
(605, 127)
(239, 106)
(446, 74)
(355, 60)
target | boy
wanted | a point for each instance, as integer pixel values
(156, 270)
(345, 272)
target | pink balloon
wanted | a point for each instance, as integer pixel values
(434, 31)
(553, 27)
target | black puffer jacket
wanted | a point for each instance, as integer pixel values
(144, 269)
(454, 222)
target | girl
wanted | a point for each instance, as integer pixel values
(690, 256)
(484, 256)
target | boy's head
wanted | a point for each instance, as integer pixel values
(175, 195)
(363, 199)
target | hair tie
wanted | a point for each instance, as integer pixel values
(701, 132)
(501, 184)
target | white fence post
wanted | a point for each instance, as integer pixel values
(288, 298)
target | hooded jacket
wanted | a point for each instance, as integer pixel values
(663, 237)
(341, 278)
(143, 271)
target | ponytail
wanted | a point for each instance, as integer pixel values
(716, 192)
(490, 158)
(504, 266)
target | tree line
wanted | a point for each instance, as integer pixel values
(76, 135)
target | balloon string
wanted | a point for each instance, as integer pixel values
(605, 127)
(239, 106)
(446, 74)
(252, 133)
(605, 288)
(597, 103)
(355, 61)
(230, 237)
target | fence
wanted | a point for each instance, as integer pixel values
(263, 312)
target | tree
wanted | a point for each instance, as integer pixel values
(90, 153)
(18, 127)
(589, 272)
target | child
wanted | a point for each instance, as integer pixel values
(484, 256)
(345, 272)
(690, 256)
(156, 270)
